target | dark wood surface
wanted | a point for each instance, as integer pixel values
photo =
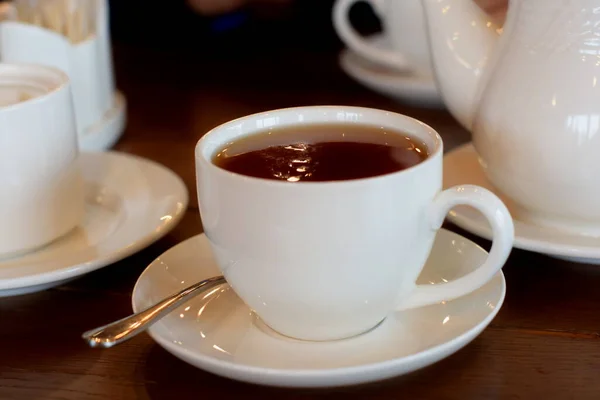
(544, 343)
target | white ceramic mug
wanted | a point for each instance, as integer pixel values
(329, 260)
(88, 63)
(41, 190)
(404, 27)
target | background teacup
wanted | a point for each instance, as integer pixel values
(404, 28)
(41, 191)
(72, 36)
(329, 260)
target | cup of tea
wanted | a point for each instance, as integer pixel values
(41, 196)
(322, 218)
(72, 36)
(404, 27)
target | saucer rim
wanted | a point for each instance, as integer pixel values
(429, 83)
(401, 82)
(406, 71)
(127, 249)
(528, 243)
(344, 376)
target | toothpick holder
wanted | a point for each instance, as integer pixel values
(99, 107)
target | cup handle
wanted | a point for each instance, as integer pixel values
(503, 229)
(357, 43)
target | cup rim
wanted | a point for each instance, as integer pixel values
(58, 78)
(203, 161)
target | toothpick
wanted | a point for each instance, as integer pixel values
(52, 16)
(75, 19)
(23, 10)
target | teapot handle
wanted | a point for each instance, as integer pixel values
(357, 43)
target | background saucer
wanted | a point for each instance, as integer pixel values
(461, 166)
(400, 85)
(130, 203)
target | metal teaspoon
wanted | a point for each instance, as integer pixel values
(124, 329)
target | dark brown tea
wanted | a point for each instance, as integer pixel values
(317, 153)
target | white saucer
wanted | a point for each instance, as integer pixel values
(104, 134)
(131, 203)
(399, 85)
(217, 332)
(461, 166)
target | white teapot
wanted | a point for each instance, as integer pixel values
(530, 94)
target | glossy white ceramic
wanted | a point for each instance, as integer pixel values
(41, 191)
(404, 26)
(87, 63)
(461, 165)
(402, 86)
(217, 332)
(529, 95)
(130, 203)
(107, 132)
(329, 260)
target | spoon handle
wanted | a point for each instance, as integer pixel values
(126, 328)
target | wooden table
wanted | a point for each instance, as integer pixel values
(545, 342)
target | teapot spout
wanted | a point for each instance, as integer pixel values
(462, 38)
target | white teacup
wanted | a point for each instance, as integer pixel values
(404, 26)
(87, 62)
(41, 190)
(330, 260)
